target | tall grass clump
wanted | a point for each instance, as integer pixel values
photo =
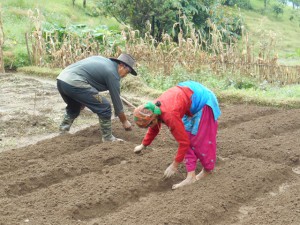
(192, 51)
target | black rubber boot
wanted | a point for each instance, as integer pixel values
(105, 128)
(66, 124)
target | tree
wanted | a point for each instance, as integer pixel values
(164, 14)
(283, 2)
(277, 9)
(84, 3)
(296, 3)
(160, 13)
(240, 3)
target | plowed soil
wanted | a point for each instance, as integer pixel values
(76, 179)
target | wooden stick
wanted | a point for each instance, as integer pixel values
(127, 102)
(124, 100)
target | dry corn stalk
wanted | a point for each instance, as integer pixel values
(192, 51)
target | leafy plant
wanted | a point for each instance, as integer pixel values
(245, 4)
(278, 9)
(171, 16)
(19, 59)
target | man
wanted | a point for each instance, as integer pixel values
(79, 84)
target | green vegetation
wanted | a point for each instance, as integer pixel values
(172, 17)
(236, 90)
(234, 86)
(284, 29)
(40, 71)
(60, 13)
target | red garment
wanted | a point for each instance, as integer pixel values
(175, 103)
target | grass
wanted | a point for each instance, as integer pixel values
(228, 87)
(16, 22)
(61, 12)
(40, 71)
(144, 84)
(287, 97)
(232, 88)
(284, 30)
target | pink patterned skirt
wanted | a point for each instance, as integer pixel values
(203, 145)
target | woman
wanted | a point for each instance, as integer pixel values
(190, 111)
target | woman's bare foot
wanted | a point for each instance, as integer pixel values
(203, 174)
(191, 178)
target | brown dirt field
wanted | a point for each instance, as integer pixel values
(75, 179)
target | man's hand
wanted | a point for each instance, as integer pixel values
(127, 125)
(139, 148)
(171, 170)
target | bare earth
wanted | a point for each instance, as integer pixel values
(75, 179)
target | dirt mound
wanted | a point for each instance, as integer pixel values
(75, 179)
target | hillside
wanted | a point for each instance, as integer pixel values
(16, 22)
(282, 29)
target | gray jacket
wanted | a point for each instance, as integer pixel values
(98, 72)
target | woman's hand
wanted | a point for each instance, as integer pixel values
(171, 170)
(139, 148)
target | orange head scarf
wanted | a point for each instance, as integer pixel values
(145, 114)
